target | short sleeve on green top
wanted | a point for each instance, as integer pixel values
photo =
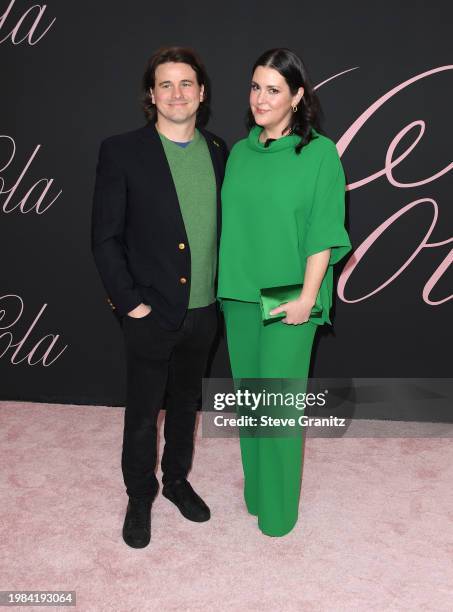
(194, 178)
(278, 208)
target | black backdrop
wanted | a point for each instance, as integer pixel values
(67, 88)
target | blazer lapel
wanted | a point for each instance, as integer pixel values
(156, 167)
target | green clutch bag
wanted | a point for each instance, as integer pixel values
(272, 297)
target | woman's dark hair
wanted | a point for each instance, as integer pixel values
(292, 68)
(182, 55)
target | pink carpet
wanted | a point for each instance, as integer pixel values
(375, 530)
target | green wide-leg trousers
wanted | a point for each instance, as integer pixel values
(272, 465)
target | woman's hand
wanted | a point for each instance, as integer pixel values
(297, 311)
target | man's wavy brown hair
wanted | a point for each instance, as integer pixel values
(183, 55)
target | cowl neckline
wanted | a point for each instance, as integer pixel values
(284, 142)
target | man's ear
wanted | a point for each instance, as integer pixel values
(152, 95)
(202, 93)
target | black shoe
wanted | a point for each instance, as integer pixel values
(190, 504)
(137, 523)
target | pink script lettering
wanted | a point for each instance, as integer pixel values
(40, 351)
(39, 190)
(387, 171)
(36, 11)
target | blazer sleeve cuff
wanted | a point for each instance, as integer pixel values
(125, 304)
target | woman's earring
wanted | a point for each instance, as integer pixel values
(294, 108)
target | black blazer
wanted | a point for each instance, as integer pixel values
(139, 241)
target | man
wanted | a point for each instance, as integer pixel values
(155, 235)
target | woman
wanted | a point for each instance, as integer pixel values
(282, 224)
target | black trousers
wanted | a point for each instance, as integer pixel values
(164, 370)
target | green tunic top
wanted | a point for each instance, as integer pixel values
(194, 178)
(278, 208)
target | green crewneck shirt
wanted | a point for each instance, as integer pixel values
(194, 178)
(278, 208)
